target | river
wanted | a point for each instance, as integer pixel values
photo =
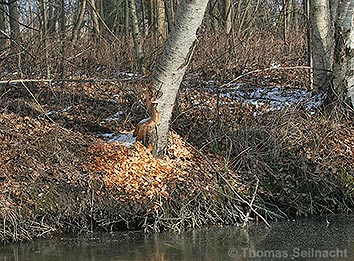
(323, 238)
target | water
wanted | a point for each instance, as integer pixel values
(304, 239)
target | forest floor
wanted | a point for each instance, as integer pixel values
(260, 148)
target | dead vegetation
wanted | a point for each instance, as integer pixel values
(225, 166)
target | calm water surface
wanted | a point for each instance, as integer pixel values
(330, 238)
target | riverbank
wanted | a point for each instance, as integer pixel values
(227, 164)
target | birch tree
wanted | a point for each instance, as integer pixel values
(138, 44)
(322, 44)
(171, 68)
(332, 48)
(343, 66)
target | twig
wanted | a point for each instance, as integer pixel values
(251, 203)
(263, 70)
(67, 80)
(231, 188)
(36, 101)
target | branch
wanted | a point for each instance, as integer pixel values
(17, 43)
(249, 204)
(65, 80)
(263, 70)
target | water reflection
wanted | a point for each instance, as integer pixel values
(305, 239)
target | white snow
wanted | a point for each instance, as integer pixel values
(116, 117)
(125, 138)
(277, 98)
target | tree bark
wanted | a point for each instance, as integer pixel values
(79, 21)
(94, 15)
(62, 39)
(14, 18)
(52, 16)
(171, 67)
(333, 48)
(228, 15)
(169, 14)
(2, 27)
(322, 44)
(126, 17)
(343, 67)
(138, 45)
(161, 18)
(45, 36)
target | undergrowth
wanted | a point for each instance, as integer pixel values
(227, 164)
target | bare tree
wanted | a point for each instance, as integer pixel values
(80, 18)
(333, 48)
(138, 45)
(169, 13)
(344, 52)
(171, 67)
(161, 18)
(45, 35)
(322, 44)
(94, 15)
(228, 15)
(52, 16)
(14, 20)
(2, 26)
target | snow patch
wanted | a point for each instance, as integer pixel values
(126, 139)
(277, 98)
(116, 117)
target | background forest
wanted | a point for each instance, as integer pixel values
(67, 39)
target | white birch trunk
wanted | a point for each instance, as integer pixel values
(322, 44)
(172, 65)
(333, 48)
(343, 67)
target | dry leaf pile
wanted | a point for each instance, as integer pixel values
(140, 178)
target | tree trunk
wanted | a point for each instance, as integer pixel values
(62, 39)
(171, 67)
(307, 11)
(52, 16)
(288, 10)
(161, 19)
(169, 14)
(2, 27)
(343, 67)
(14, 18)
(214, 16)
(79, 21)
(322, 44)
(45, 36)
(138, 45)
(94, 15)
(228, 15)
(333, 48)
(126, 17)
